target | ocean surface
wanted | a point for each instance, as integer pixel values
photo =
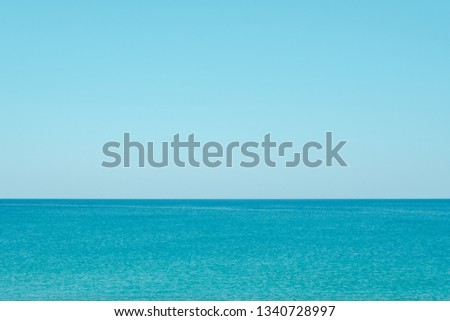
(224, 249)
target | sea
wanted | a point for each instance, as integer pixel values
(224, 250)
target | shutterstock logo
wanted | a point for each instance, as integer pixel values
(189, 152)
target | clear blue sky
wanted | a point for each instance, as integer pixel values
(75, 74)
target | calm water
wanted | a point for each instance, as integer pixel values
(224, 250)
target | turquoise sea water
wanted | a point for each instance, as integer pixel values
(225, 250)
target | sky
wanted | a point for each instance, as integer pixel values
(77, 74)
